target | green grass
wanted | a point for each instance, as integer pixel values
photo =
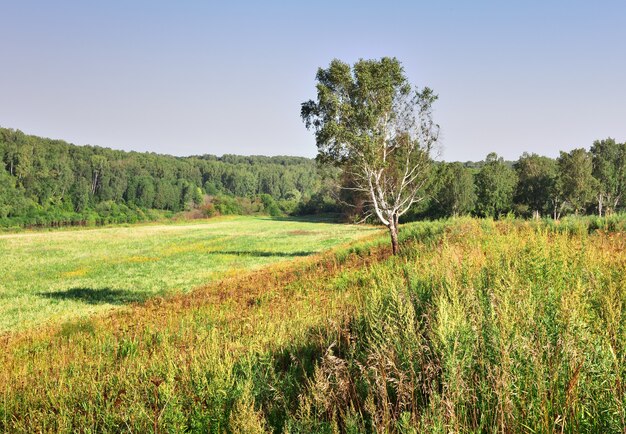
(52, 276)
(477, 326)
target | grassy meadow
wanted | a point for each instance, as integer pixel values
(477, 326)
(52, 276)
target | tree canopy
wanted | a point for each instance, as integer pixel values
(495, 183)
(536, 183)
(609, 169)
(576, 182)
(457, 192)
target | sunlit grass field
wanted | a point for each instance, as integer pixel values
(57, 275)
(476, 326)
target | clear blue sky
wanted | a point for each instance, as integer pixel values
(194, 77)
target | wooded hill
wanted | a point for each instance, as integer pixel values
(45, 181)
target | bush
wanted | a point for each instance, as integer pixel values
(208, 210)
(226, 205)
(270, 205)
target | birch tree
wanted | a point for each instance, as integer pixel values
(370, 121)
(576, 179)
(457, 194)
(609, 168)
(537, 177)
(495, 183)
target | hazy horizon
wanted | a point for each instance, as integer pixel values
(195, 78)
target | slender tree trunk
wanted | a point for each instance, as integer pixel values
(556, 212)
(393, 231)
(616, 203)
(600, 197)
(94, 184)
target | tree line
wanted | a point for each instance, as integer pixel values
(52, 182)
(577, 182)
(46, 182)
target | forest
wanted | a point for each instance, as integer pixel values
(50, 182)
(45, 182)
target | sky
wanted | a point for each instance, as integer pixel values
(201, 77)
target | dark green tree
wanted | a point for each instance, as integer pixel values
(609, 169)
(80, 194)
(9, 195)
(576, 181)
(537, 177)
(457, 192)
(59, 183)
(144, 197)
(495, 183)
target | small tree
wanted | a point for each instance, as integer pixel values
(537, 177)
(495, 183)
(457, 194)
(576, 181)
(378, 128)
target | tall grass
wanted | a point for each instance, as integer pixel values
(497, 327)
(478, 326)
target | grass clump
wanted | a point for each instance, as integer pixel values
(71, 328)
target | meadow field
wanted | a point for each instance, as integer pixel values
(476, 326)
(50, 276)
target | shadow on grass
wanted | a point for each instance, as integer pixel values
(261, 254)
(97, 296)
(283, 376)
(316, 218)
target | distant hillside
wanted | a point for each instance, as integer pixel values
(40, 177)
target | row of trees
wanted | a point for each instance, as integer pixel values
(41, 176)
(576, 182)
(46, 181)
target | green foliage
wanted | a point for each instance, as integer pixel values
(456, 193)
(378, 128)
(495, 183)
(536, 185)
(227, 205)
(46, 182)
(576, 182)
(11, 201)
(58, 179)
(270, 205)
(351, 101)
(609, 169)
